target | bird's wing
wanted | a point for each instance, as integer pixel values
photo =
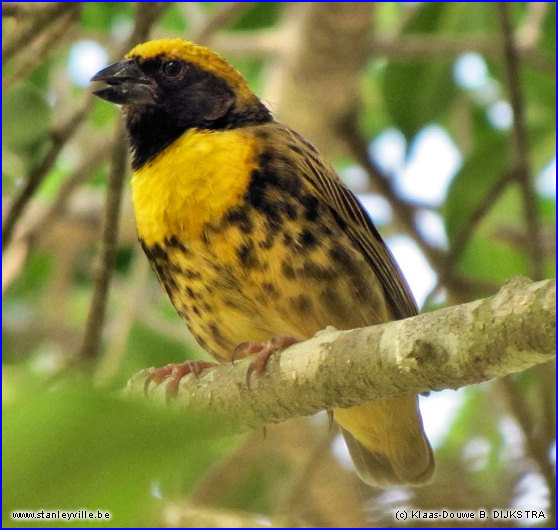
(351, 215)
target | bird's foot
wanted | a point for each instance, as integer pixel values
(261, 352)
(173, 373)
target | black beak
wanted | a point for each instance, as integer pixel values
(128, 84)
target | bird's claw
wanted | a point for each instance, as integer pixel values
(173, 373)
(261, 352)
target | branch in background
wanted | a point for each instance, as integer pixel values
(121, 324)
(450, 348)
(251, 44)
(36, 229)
(189, 515)
(148, 12)
(27, 9)
(226, 13)
(268, 42)
(477, 215)
(97, 309)
(529, 34)
(447, 274)
(314, 80)
(38, 50)
(519, 133)
(146, 15)
(403, 211)
(60, 136)
(37, 21)
(303, 477)
(535, 447)
(434, 46)
(93, 159)
(13, 9)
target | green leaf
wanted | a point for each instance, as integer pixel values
(548, 30)
(493, 254)
(103, 15)
(494, 261)
(547, 209)
(173, 19)
(261, 15)
(103, 114)
(35, 276)
(26, 117)
(420, 92)
(147, 347)
(252, 70)
(478, 174)
(417, 93)
(374, 117)
(13, 168)
(72, 448)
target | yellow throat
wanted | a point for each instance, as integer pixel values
(191, 182)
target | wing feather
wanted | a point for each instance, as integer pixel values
(329, 189)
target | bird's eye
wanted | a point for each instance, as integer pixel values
(172, 68)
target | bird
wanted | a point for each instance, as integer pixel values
(254, 237)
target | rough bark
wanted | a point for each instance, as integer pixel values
(450, 348)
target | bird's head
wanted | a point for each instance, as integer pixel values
(168, 86)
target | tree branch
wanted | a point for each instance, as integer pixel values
(42, 17)
(225, 15)
(519, 134)
(442, 46)
(60, 135)
(40, 48)
(97, 309)
(190, 515)
(446, 275)
(450, 348)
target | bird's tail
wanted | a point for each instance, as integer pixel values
(387, 442)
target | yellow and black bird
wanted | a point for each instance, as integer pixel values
(253, 235)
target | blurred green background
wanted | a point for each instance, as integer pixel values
(412, 101)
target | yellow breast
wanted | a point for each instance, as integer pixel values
(193, 181)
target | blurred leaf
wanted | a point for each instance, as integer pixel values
(417, 93)
(547, 209)
(252, 70)
(373, 117)
(103, 114)
(50, 186)
(261, 15)
(548, 30)
(254, 489)
(73, 448)
(13, 168)
(471, 426)
(26, 117)
(420, 91)
(35, 276)
(539, 92)
(124, 256)
(146, 347)
(493, 261)
(40, 76)
(491, 255)
(173, 19)
(387, 15)
(103, 15)
(478, 174)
